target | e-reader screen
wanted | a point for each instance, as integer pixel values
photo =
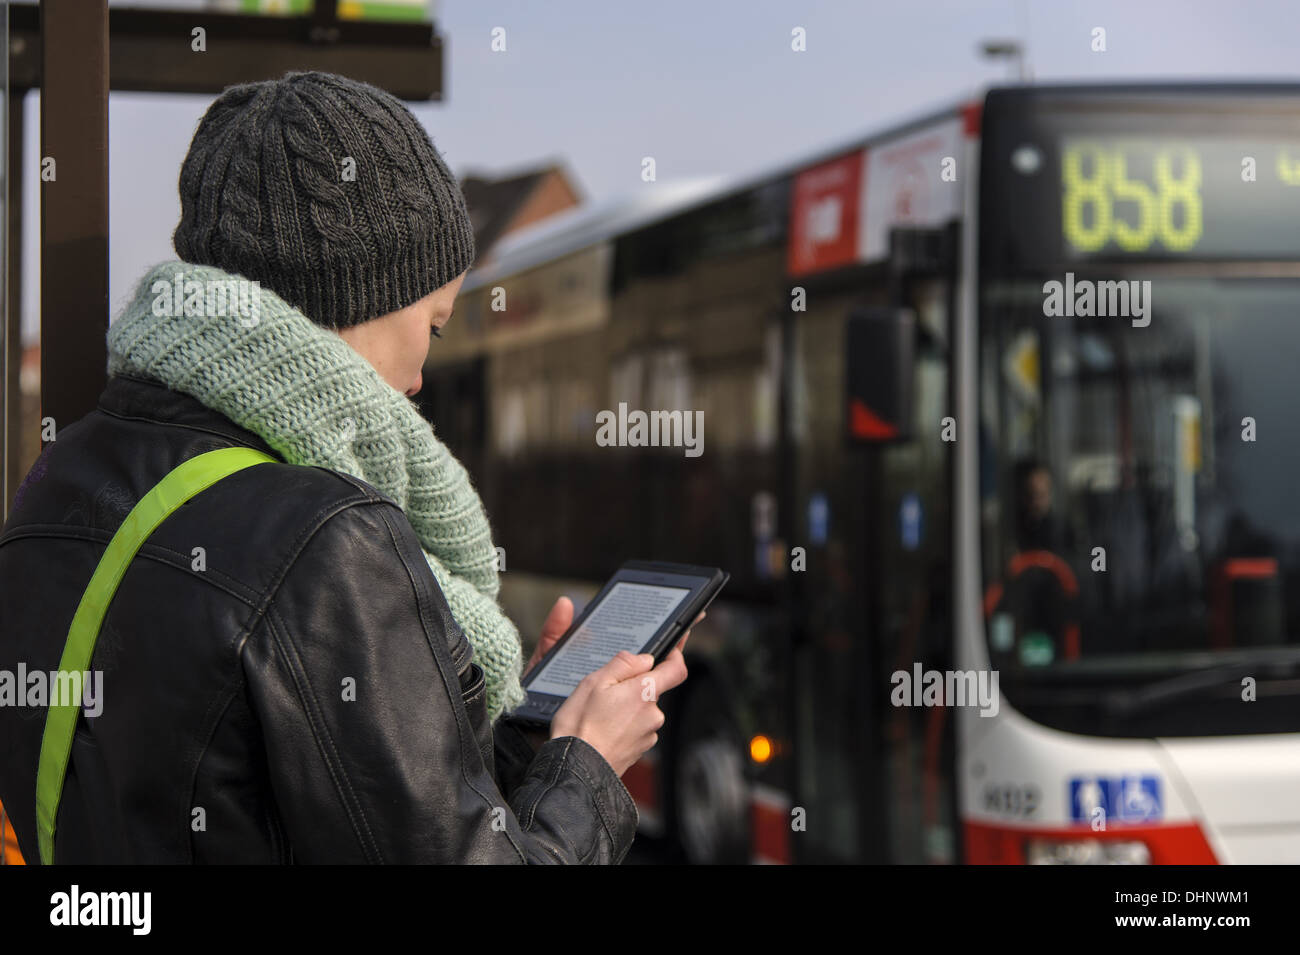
(626, 619)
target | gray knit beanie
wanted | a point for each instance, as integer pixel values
(328, 192)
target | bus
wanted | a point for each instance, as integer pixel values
(995, 447)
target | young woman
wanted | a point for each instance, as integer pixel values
(306, 662)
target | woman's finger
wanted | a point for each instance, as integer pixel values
(557, 622)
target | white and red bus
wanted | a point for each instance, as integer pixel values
(999, 391)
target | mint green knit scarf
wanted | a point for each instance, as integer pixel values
(243, 351)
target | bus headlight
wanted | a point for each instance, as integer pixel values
(1086, 852)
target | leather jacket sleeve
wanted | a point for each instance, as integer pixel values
(377, 740)
(515, 749)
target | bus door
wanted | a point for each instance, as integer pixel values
(871, 504)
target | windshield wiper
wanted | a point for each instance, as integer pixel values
(1168, 689)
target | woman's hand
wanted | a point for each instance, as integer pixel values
(557, 622)
(614, 709)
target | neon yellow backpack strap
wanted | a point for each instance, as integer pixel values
(181, 484)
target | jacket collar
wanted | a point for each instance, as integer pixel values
(144, 399)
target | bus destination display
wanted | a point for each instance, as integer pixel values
(1198, 197)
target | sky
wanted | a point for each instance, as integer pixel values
(707, 87)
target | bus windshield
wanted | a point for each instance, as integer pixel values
(1139, 282)
(1140, 506)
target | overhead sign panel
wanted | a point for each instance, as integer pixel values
(841, 210)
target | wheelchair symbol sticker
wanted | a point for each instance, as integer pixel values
(1122, 798)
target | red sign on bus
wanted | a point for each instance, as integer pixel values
(824, 215)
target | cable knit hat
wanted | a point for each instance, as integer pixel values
(327, 191)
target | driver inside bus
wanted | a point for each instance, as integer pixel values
(1035, 528)
(1041, 586)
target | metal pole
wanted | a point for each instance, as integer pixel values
(15, 461)
(11, 444)
(73, 180)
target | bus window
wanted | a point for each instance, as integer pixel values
(1147, 515)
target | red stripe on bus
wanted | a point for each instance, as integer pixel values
(1179, 844)
(1254, 567)
(770, 828)
(640, 782)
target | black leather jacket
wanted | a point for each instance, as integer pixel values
(225, 735)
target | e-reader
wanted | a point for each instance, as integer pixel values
(644, 608)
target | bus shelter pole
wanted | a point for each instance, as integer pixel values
(73, 180)
(15, 465)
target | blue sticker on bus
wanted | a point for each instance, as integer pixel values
(909, 521)
(819, 516)
(1120, 798)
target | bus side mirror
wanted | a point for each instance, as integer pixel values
(880, 347)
